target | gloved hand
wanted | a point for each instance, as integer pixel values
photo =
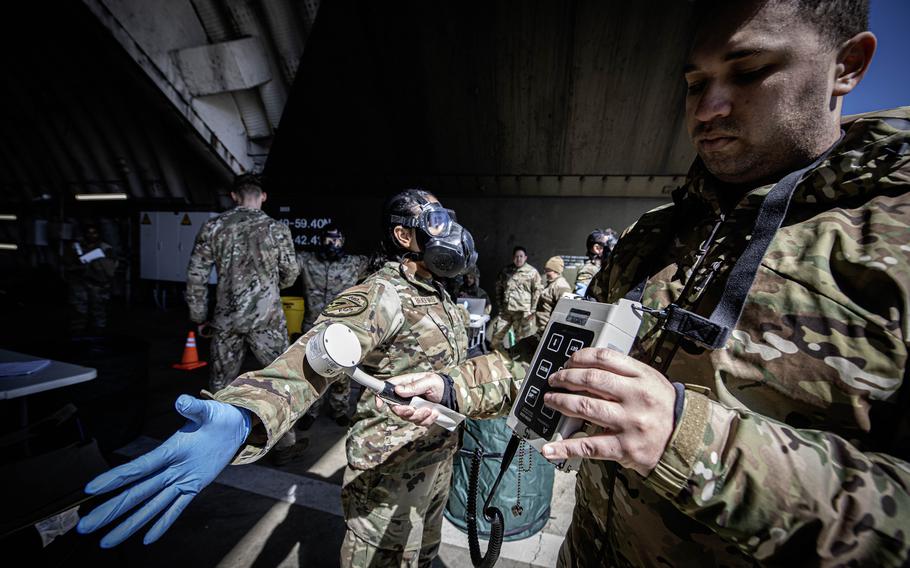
(170, 475)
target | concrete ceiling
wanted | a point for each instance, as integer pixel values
(512, 97)
(473, 98)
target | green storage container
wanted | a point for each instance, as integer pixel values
(536, 482)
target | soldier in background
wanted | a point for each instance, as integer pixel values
(254, 258)
(517, 292)
(325, 274)
(89, 265)
(471, 288)
(554, 290)
(600, 243)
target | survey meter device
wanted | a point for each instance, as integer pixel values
(574, 324)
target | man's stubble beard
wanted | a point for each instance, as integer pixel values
(795, 140)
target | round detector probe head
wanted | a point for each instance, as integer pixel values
(334, 350)
(337, 350)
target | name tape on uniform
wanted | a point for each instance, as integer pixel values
(424, 300)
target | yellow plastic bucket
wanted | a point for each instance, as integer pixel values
(293, 312)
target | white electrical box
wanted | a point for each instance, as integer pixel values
(166, 240)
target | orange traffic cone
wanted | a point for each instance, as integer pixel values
(190, 358)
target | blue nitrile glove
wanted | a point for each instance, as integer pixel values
(170, 475)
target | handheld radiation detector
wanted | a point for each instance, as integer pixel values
(574, 324)
(336, 350)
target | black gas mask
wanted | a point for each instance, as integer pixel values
(446, 247)
(331, 246)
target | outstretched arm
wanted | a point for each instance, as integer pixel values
(247, 418)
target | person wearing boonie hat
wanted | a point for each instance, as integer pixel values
(555, 288)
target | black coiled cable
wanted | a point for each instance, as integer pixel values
(491, 514)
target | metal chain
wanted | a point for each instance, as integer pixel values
(517, 509)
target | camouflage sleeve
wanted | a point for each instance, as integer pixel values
(561, 291)
(767, 487)
(197, 274)
(536, 289)
(485, 386)
(583, 280)
(363, 266)
(501, 290)
(282, 392)
(288, 269)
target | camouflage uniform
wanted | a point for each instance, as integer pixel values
(89, 287)
(397, 479)
(254, 257)
(517, 291)
(793, 443)
(586, 274)
(551, 294)
(322, 281)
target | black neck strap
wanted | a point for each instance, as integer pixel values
(712, 332)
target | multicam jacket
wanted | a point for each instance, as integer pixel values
(586, 274)
(793, 443)
(518, 289)
(551, 294)
(325, 279)
(254, 256)
(404, 324)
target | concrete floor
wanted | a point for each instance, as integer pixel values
(260, 515)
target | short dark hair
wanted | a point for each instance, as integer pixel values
(836, 20)
(519, 248)
(405, 203)
(247, 185)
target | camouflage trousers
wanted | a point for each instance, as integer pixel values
(337, 396)
(394, 519)
(504, 321)
(88, 305)
(229, 349)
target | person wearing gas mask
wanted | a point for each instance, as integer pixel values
(326, 273)
(600, 243)
(397, 480)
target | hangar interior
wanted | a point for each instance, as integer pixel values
(535, 121)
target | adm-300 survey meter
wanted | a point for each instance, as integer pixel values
(574, 324)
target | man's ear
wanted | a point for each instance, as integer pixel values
(234, 197)
(853, 61)
(264, 197)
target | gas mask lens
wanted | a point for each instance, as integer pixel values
(438, 222)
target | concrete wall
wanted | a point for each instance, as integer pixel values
(546, 226)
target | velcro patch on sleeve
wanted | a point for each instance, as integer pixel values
(424, 300)
(347, 305)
